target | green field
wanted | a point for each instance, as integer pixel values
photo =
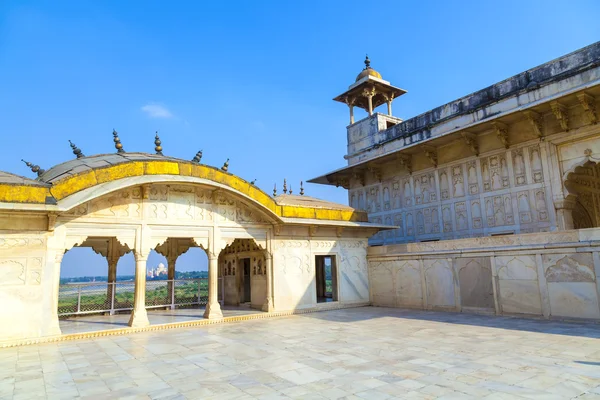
(185, 293)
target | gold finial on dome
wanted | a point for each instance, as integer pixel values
(76, 150)
(368, 71)
(117, 141)
(34, 168)
(157, 143)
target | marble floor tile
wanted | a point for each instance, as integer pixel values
(362, 353)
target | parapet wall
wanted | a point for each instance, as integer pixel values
(550, 274)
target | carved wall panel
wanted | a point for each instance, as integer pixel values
(518, 285)
(475, 279)
(396, 195)
(184, 203)
(520, 173)
(425, 189)
(13, 271)
(408, 284)
(472, 198)
(428, 221)
(498, 210)
(494, 171)
(382, 279)
(537, 170)
(439, 280)
(472, 178)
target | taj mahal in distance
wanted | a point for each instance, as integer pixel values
(488, 205)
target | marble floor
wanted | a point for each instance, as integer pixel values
(97, 322)
(360, 353)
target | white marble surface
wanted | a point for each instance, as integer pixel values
(362, 353)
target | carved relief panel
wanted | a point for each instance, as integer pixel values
(396, 195)
(519, 167)
(494, 172)
(373, 200)
(428, 221)
(425, 189)
(472, 177)
(498, 210)
(536, 164)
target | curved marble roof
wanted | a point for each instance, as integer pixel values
(13, 179)
(306, 201)
(84, 164)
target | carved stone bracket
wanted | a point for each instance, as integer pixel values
(405, 161)
(588, 103)
(277, 229)
(501, 130)
(201, 242)
(312, 230)
(359, 175)
(338, 231)
(72, 241)
(471, 141)
(343, 182)
(561, 114)
(535, 121)
(51, 221)
(431, 154)
(377, 172)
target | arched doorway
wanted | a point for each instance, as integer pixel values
(243, 270)
(583, 185)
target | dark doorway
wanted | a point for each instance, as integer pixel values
(326, 279)
(247, 283)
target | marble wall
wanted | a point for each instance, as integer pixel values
(501, 192)
(294, 270)
(24, 285)
(552, 275)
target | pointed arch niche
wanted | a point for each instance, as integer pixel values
(583, 186)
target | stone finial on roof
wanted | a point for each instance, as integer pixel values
(225, 166)
(367, 62)
(117, 141)
(275, 190)
(290, 189)
(157, 146)
(197, 157)
(253, 182)
(301, 189)
(284, 186)
(34, 168)
(76, 150)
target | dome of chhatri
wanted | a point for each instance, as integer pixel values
(368, 71)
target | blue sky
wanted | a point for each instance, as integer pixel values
(250, 81)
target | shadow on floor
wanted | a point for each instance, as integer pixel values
(589, 329)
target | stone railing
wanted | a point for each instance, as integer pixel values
(550, 274)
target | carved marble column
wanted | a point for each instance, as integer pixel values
(564, 212)
(139, 317)
(268, 306)
(112, 278)
(54, 326)
(213, 308)
(389, 107)
(171, 261)
(351, 113)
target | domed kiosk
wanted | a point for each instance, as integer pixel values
(138, 202)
